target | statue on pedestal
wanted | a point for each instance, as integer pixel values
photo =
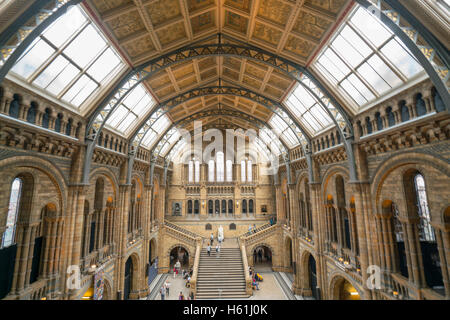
(220, 234)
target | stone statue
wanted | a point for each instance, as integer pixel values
(177, 209)
(220, 234)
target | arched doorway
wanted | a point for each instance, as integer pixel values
(344, 290)
(128, 279)
(289, 255)
(312, 274)
(262, 259)
(179, 253)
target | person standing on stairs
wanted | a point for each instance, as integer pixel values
(162, 291)
(212, 238)
(208, 249)
(217, 251)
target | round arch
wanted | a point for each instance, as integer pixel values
(179, 251)
(342, 287)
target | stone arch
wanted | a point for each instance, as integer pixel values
(328, 177)
(305, 272)
(153, 249)
(407, 160)
(183, 246)
(135, 278)
(263, 244)
(107, 289)
(27, 164)
(289, 257)
(337, 280)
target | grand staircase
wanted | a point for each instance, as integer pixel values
(221, 277)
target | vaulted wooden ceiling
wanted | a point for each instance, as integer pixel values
(146, 29)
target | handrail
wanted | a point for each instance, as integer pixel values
(193, 282)
(255, 236)
(248, 279)
(263, 227)
(181, 230)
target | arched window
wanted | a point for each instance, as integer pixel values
(14, 107)
(197, 171)
(46, 118)
(426, 231)
(421, 109)
(196, 207)
(230, 206)
(31, 114)
(250, 206)
(390, 117)
(58, 122)
(224, 206)
(220, 167)
(369, 125)
(243, 177)
(189, 206)
(217, 207)
(250, 171)
(69, 128)
(210, 207)
(404, 112)
(379, 121)
(191, 171)
(232, 226)
(438, 103)
(211, 171)
(229, 171)
(13, 212)
(244, 206)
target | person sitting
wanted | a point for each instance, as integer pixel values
(188, 282)
(258, 277)
(255, 284)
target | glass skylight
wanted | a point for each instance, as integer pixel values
(70, 59)
(308, 110)
(366, 60)
(155, 131)
(284, 131)
(135, 105)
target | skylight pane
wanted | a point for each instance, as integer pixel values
(344, 49)
(361, 87)
(51, 72)
(134, 97)
(370, 27)
(356, 42)
(401, 58)
(63, 79)
(305, 97)
(355, 94)
(127, 122)
(149, 139)
(33, 59)
(117, 116)
(84, 93)
(311, 121)
(371, 76)
(76, 88)
(78, 50)
(107, 62)
(321, 115)
(144, 105)
(331, 68)
(65, 27)
(384, 71)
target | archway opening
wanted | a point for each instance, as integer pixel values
(312, 277)
(262, 259)
(179, 254)
(344, 290)
(128, 279)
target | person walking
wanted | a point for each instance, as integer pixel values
(212, 238)
(217, 251)
(162, 291)
(178, 266)
(181, 296)
(167, 285)
(208, 249)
